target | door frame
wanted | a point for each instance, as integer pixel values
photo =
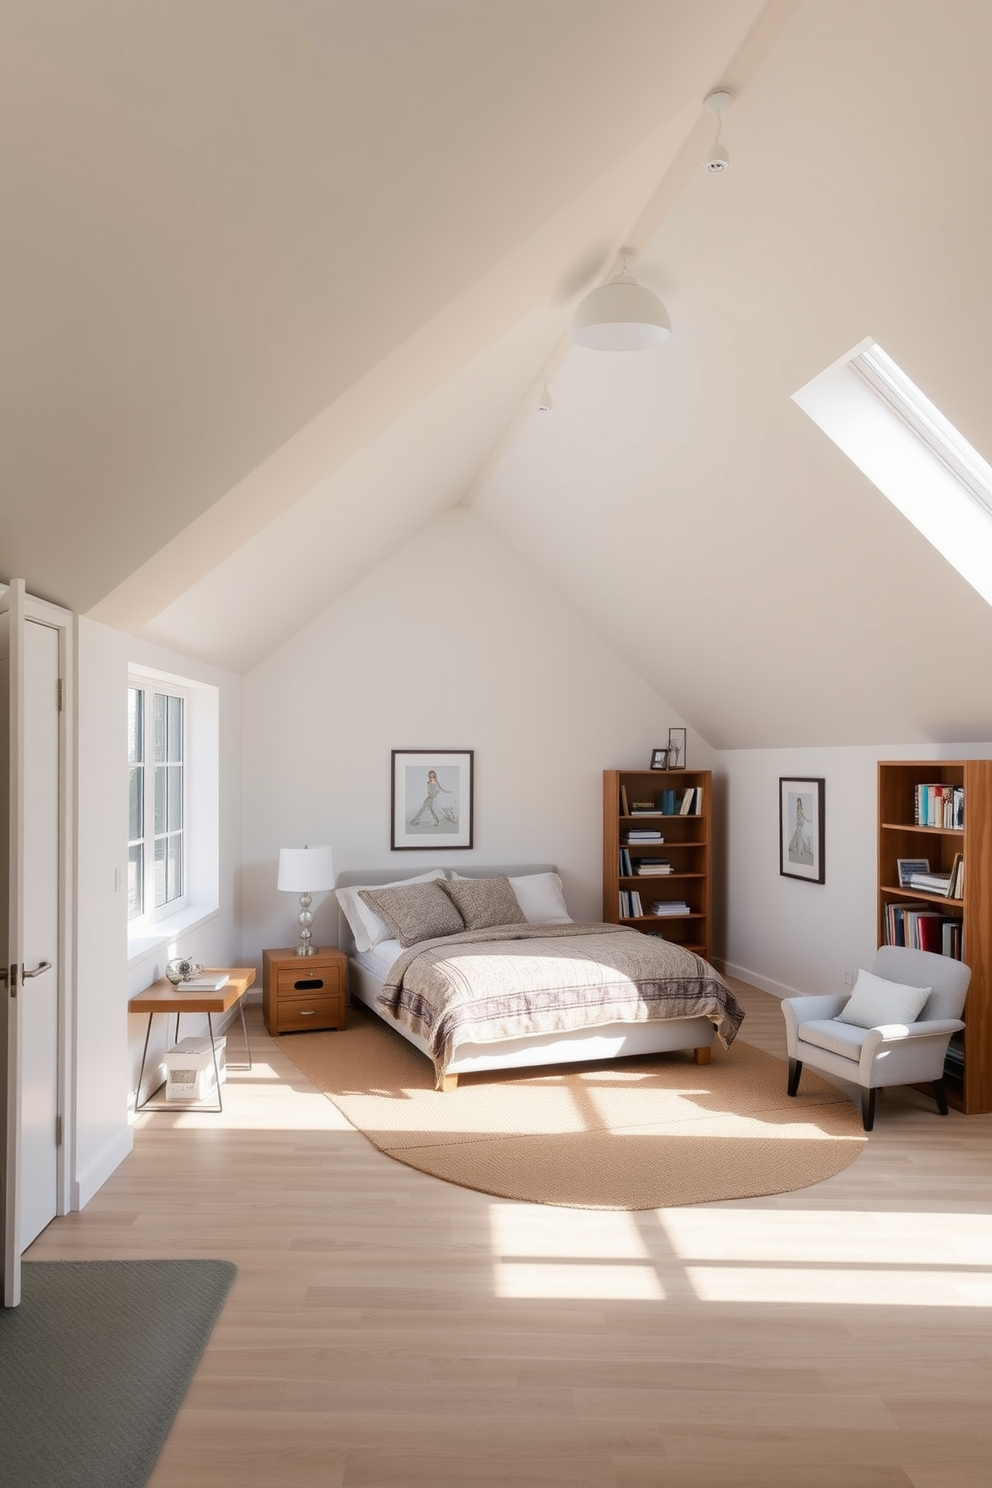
(24, 607)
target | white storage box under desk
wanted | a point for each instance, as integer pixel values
(190, 1069)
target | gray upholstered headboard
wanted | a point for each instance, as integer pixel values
(392, 875)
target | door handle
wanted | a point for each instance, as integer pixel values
(42, 966)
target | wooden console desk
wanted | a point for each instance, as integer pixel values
(164, 997)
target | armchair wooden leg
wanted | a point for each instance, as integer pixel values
(795, 1070)
(940, 1096)
(867, 1108)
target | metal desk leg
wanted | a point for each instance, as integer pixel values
(140, 1104)
(244, 1033)
(213, 1050)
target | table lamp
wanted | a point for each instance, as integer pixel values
(302, 869)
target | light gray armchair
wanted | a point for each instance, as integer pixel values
(886, 1055)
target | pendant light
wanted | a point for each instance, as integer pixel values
(621, 315)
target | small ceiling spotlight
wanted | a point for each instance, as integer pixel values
(718, 160)
(544, 403)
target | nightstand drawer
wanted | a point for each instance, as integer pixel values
(296, 1014)
(305, 981)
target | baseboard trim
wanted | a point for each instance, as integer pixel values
(765, 984)
(96, 1175)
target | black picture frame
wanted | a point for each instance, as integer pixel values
(801, 827)
(659, 758)
(420, 816)
(676, 749)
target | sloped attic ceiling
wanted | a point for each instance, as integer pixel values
(290, 275)
(234, 220)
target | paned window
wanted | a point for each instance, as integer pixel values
(156, 865)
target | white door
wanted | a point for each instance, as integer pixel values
(38, 993)
(31, 893)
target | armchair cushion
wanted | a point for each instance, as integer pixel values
(875, 1002)
(837, 1038)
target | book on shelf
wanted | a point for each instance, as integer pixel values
(626, 867)
(630, 904)
(670, 907)
(922, 929)
(651, 867)
(957, 878)
(954, 1062)
(939, 806)
(624, 803)
(931, 883)
(642, 834)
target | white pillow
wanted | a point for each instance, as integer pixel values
(539, 896)
(366, 926)
(876, 1002)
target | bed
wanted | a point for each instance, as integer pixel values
(678, 1003)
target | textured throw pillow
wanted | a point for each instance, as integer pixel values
(415, 912)
(876, 1002)
(366, 926)
(539, 896)
(485, 902)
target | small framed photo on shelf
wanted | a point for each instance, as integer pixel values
(800, 828)
(431, 798)
(676, 748)
(659, 759)
(906, 867)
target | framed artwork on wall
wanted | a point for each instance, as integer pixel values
(800, 828)
(431, 798)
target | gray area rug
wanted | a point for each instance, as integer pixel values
(94, 1364)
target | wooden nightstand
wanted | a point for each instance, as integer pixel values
(301, 992)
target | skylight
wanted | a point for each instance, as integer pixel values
(911, 452)
(886, 378)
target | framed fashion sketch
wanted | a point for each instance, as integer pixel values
(676, 748)
(800, 828)
(431, 798)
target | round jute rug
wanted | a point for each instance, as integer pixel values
(634, 1134)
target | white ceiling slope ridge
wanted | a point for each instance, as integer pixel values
(218, 222)
(681, 502)
(548, 269)
(351, 514)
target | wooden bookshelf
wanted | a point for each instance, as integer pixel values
(970, 1089)
(686, 845)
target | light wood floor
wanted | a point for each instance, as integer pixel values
(387, 1330)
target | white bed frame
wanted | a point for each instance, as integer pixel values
(612, 1041)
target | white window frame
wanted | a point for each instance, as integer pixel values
(151, 913)
(201, 815)
(910, 450)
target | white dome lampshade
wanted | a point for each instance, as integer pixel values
(621, 315)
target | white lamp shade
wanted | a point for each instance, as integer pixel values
(305, 870)
(621, 316)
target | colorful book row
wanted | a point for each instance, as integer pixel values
(939, 806)
(923, 930)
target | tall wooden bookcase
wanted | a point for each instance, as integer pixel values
(686, 845)
(969, 1089)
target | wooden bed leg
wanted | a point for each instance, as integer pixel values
(448, 1082)
(701, 1056)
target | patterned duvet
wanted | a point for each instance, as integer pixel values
(486, 986)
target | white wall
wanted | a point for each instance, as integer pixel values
(108, 1042)
(787, 935)
(451, 643)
